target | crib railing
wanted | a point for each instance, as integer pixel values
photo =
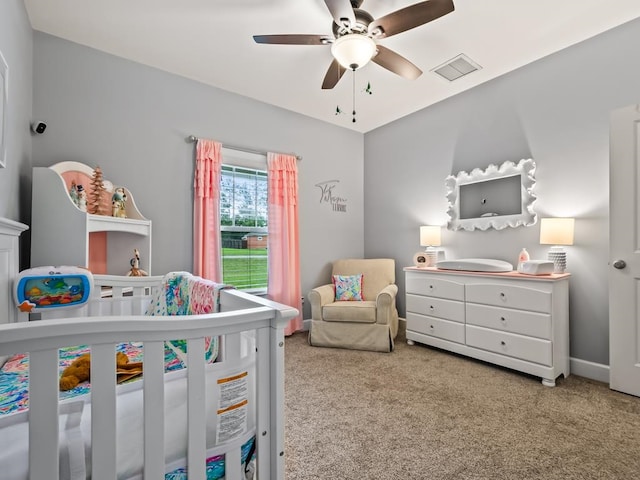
(240, 313)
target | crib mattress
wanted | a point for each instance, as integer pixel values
(75, 415)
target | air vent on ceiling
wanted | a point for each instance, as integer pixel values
(456, 67)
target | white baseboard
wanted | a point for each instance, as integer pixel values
(594, 371)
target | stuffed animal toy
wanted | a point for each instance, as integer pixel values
(136, 271)
(80, 370)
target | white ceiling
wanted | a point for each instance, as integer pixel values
(211, 41)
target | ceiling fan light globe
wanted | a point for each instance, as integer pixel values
(354, 50)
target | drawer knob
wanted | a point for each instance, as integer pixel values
(502, 319)
(431, 327)
(430, 287)
(502, 295)
(503, 343)
(432, 308)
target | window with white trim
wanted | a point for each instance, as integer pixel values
(243, 222)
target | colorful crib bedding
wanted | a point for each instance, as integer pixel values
(14, 374)
(75, 419)
(215, 465)
(185, 294)
(181, 294)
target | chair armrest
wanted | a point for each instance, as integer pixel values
(386, 304)
(318, 297)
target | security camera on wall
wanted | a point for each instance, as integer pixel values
(38, 127)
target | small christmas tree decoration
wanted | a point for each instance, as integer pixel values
(97, 191)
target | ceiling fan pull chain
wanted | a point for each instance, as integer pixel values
(354, 96)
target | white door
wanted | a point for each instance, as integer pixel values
(624, 251)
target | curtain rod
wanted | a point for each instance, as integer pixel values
(193, 139)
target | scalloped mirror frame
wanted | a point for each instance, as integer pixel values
(525, 168)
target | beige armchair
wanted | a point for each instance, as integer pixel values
(370, 324)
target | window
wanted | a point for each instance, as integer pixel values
(243, 225)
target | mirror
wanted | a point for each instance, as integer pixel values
(496, 197)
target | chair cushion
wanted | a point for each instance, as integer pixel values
(361, 312)
(348, 287)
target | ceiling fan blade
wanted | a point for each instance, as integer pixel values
(396, 63)
(293, 39)
(410, 17)
(334, 74)
(342, 12)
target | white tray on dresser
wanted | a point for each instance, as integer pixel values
(509, 319)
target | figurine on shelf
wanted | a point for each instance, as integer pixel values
(136, 271)
(73, 193)
(82, 198)
(118, 203)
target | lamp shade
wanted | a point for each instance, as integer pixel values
(430, 236)
(353, 50)
(556, 231)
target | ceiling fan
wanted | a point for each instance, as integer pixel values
(356, 33)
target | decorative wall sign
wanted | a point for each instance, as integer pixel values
(4, 99)
(327, 195)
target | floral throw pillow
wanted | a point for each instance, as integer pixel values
(348, 287)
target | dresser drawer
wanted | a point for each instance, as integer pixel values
(434, 287)
(515, 321)
(435, 327)
(509, 296)
(436, 307)
(512, 345)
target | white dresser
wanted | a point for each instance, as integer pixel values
(517, 321)
(10, 231)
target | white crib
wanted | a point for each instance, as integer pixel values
(107, 321)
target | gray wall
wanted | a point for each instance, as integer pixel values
(16, 45)
(133, 120)
(555, 111)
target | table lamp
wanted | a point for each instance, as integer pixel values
(557, 232)
(430, 237)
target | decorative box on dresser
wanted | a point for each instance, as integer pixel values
(509, 319)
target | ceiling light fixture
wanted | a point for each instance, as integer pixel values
(353, 50)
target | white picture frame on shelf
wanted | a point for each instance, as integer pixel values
(421, 259)
(4, 99)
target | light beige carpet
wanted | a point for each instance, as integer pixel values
(422, 413)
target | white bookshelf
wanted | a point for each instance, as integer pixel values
(63, 234)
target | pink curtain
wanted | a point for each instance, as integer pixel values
(206, 211)
(283, 240)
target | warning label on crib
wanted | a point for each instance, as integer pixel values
(232, 407)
